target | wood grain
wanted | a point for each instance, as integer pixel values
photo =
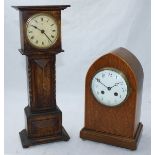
(103, 137)
(41, 82)
(41, 8)
(43, 117)
(26, 47)
(122, 120)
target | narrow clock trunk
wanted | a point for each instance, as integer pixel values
(41, 82)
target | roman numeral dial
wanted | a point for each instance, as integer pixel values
(42, 31)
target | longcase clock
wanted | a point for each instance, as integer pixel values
(113, 93)
(40, 31)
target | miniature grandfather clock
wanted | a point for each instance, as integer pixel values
(113, 100)
(40, 30)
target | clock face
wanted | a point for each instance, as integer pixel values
(110, 87)
(42, 30)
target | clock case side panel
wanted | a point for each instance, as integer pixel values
(119, 120)
(139, 73)
(21, 29)
(26, 47)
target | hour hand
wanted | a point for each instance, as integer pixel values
(116, 84)
(36, 27)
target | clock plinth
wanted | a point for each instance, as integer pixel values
(129, 143)
(40, 41)
(43, 128)
(113, 96)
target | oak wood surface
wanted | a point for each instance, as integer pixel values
(103, 137)
(29, 49)
(41, 7)
(41, 82)
(122, 120)
(43, 117)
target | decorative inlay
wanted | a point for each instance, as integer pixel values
(42, 62)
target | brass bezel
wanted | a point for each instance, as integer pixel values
(125, 79)
(45, 14)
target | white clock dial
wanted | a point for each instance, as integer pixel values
(42, 30)
(110, 87)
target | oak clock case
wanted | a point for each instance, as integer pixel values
(40, 31)
(45, 25)
(113, 93)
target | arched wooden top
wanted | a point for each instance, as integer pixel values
(124, 119)
(123, 60)
(132, 61)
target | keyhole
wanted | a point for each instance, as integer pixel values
(102, 92)
(116, 94)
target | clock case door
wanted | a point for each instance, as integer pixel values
(117, 125)
(26, 47)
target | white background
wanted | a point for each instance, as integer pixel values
(89, 30)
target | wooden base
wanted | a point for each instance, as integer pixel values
(26, 141)
(119, 141)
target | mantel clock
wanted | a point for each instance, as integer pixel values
(113, 93)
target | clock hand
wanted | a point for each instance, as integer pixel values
(37, 28)
(42, 31)
(98, 80)
(47, 36)
(115, 84)
(109, 88)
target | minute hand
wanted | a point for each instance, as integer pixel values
(98, 80)
(47, 36)
(42, 31)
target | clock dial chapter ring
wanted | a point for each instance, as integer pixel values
(110, 87)
(42, 30)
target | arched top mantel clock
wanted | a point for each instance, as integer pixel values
(113, 93)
